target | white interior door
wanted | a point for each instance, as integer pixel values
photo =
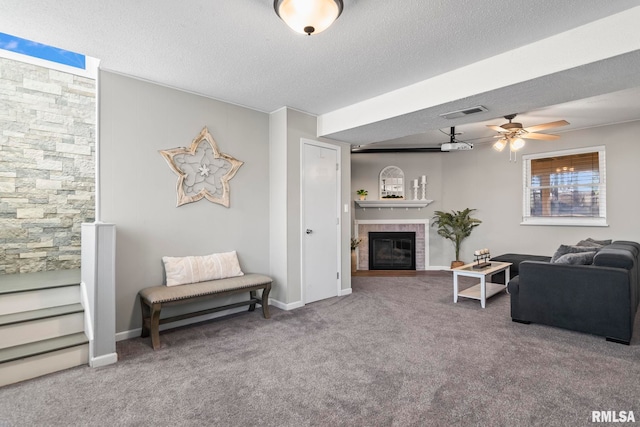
(320, 221)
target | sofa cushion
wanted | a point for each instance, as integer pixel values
(579, 258)
(570, 249)
(613, 257)
(632, 247)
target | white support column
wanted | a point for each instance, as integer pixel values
(98, 276)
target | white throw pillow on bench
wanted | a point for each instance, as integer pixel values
(193, 269)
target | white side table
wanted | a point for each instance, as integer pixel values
(485, 289)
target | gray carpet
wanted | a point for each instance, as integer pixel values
(397, 352)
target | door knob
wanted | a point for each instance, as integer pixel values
(309, 231)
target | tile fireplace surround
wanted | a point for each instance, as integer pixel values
(420, 227)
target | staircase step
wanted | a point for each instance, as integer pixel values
(66, 354)
(38, 299)
(16, 334)
(42, 347)
(44, 313)
(23, 282)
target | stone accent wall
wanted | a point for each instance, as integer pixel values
(47, 166)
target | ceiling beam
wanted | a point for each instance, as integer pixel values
(597, 41)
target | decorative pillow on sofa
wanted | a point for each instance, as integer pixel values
(569, 249)
(578, 258)
(589, 244)
(594, 243)
(193, 269)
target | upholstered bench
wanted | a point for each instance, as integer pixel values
(153, 299)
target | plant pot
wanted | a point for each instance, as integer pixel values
(455, 264)
(363, 197)
(354, 262)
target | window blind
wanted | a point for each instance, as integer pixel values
(566, 186)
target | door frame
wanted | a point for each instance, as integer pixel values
(304, 142)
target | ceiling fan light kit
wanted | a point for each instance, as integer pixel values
(500, 144)
(516, 144)
(308, 16)
(515, 134)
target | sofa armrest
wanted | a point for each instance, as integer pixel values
(513, 287)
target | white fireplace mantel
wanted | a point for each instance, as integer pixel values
(393, 204)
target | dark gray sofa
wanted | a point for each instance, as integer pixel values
(515, 260)
(601, 298)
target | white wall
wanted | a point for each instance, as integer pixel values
(278, 204)
(137, 119)
(486, 180)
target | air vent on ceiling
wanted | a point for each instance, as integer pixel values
(464, 112)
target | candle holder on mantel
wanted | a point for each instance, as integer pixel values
(482, 256)
(423, 184)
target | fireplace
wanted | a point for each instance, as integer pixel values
(419, 226)
(392, 250)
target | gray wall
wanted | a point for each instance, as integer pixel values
(486, 180)
(365, 171)
(287, 128)
(138, 190)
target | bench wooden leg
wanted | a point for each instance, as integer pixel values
(265, 302)
(252, 295)
(144, 309)
(155, 325)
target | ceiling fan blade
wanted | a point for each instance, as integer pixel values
(544, 136)
(544, 126)
(497, 128)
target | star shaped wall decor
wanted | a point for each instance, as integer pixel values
(203, 171)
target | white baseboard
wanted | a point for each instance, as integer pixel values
(126, 335)
(343, 292)
(107, 359)
(284, 306)
(134, 333)
(437, 268)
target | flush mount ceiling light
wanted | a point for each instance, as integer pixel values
(308, 16)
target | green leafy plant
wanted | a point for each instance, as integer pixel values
(362, 192)
(354, 243)
(455, 226)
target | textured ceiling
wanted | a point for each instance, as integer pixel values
(239, 51)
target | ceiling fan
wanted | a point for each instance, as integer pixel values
(514, 134)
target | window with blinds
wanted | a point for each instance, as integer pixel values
(565, 187)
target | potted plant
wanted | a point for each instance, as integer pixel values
(455, 226)
(354, 244)
(362, 194)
